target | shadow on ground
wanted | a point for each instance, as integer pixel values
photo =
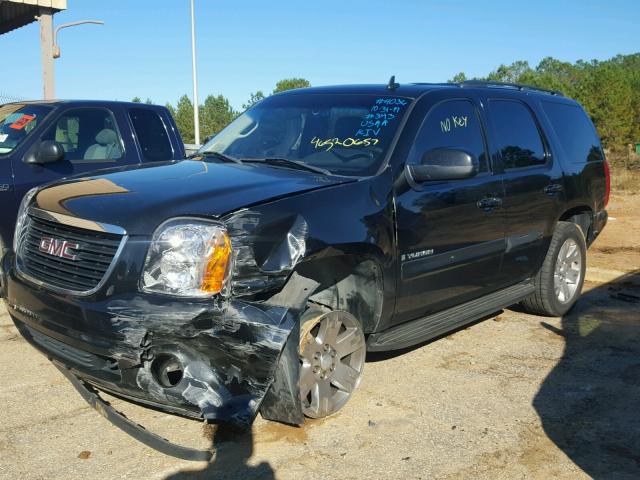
(233, 449)
(589, 404)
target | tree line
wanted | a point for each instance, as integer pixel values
(216, 112)
(609, 91)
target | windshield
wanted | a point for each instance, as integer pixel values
(343, 134)
(17, 120)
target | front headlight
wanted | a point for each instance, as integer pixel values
(189, 258)
(22, 217)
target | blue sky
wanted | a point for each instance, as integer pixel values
(144, 49)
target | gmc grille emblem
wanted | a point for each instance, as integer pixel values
(58, 247)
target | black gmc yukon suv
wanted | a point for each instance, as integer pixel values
(322, 223)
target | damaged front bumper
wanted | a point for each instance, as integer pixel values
(206, 359)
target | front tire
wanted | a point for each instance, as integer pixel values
(559, 281)
(332, 356)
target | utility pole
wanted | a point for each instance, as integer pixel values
(45, 19)
(196, 114)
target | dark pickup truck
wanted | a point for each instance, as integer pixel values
(320, 224)
(43, 141)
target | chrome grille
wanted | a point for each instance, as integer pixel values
(94, 253)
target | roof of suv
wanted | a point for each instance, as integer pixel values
(81, 102)
(414, 90)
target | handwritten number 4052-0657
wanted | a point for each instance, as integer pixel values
(453, 121)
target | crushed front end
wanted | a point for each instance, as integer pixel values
(83, 304)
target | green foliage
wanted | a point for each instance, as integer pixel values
(608, 90)
(136, 100)
(458, 78)
(253, 99)
(290, 84)
(215, 114)
(183, 115)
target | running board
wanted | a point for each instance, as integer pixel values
(431, 326)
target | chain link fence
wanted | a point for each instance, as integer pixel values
(7, 98)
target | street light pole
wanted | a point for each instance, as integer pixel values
(50, 49)
(196, 114)
(56, 48)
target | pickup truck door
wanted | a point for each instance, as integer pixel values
(92, 138)
(7, 200)
(450, 233)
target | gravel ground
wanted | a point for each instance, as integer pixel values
(514, 396)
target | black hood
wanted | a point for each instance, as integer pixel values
(140, 198)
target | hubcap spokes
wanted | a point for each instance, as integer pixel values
(568, 271)
(332, 354)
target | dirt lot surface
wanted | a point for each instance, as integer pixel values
(515, 396)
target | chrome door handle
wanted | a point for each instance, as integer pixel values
(489, 202)
(553, 188)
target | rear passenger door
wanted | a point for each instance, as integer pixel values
(152, 135)
(533, 184)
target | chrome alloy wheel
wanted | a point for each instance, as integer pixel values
(568, 271)
(332, 354)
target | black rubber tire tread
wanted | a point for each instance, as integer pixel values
(543, 301)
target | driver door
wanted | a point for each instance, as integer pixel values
(451, 234)
(91, 140)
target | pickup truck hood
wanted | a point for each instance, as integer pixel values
(138, 199)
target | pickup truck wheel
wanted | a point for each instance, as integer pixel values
(332, 355)
(559, 281)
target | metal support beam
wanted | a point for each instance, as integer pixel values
(196, 113)
(46, 53)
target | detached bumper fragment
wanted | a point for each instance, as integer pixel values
(136, 431)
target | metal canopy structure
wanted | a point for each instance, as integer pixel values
(18, 13)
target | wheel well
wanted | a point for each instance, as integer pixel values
(349, 283)
(582, 216)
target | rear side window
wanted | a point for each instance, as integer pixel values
(451, 124)
(87, 135)
(517, 134)
(576, 133)
(152, 136)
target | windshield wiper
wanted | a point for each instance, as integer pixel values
(287, 162)
(218, 155)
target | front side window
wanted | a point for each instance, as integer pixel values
(451, 124)
(344, 134)
(517, 134)
(17, 121)
(152, 135)
(87, 135)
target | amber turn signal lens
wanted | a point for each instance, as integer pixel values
(217, 270)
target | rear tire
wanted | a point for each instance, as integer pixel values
(558, 283)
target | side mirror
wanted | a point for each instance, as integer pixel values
(444, 164)
(47, 151)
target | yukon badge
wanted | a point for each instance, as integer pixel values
(58, 247)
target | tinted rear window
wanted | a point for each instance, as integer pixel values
(575, 132)
(518, 136)
(152, 136)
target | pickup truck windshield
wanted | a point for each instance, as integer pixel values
(17, 120)
(343, 134)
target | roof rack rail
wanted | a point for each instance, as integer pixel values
(517, 86)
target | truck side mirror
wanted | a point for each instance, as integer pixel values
(47, 151)
(444, 164)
